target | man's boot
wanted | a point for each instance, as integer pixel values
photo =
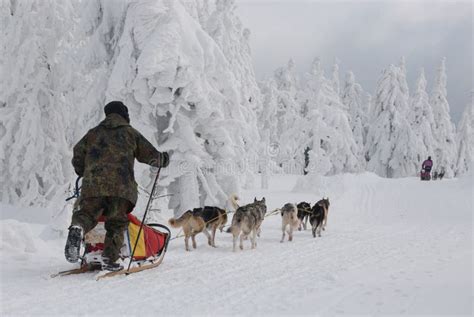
(73, 244)
(111, 265)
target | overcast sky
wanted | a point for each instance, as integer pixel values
(366, 36)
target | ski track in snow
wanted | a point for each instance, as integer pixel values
(386, 251)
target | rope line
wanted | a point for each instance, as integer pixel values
(179, 235)
(272, 213)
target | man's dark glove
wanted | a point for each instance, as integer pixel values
(164, 159)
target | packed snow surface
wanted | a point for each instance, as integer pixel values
(392, 246)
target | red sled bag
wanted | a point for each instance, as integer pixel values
(151, 243)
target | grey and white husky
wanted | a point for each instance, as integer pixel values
(246, 222)
(289, 219)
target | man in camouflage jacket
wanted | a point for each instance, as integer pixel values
(105, 157)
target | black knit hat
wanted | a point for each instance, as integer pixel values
(117, 107)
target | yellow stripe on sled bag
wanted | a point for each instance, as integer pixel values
(133, 232)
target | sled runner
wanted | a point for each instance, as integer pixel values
(137, 267)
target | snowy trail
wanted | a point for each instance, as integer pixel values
(386, 250)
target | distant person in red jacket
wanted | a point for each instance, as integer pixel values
(427, 165)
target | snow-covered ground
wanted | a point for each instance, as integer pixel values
(392, 247)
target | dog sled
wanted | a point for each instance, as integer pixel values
(144, 246)
(151, 246)
(425, 175)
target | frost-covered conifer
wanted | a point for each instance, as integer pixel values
(335, 77)
(402, 78)
(445, 152)
(289, 116)
(268, 116)
(326, 126)
(183, 71)
(390, 147)
(352, 99)
(34, 159)
(465, 140)
(421, 119)
(191, 96)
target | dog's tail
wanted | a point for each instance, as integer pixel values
(178, 222)
(224, 219)
(236, 221)
(234, 201)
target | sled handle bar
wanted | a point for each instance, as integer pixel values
(77, 189)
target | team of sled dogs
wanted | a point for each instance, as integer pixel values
(247, 220)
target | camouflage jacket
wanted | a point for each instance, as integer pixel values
(105, 157)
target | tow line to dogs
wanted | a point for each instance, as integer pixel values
(179, 235)
(271, 213)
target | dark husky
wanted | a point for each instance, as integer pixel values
(304, 210)
(247, 221)
(200, 220)
(318, 215)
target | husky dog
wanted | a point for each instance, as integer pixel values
(289, 218)
(326, 211)
(247, 221)
(318, 212)
(201, 220)
(304, 210)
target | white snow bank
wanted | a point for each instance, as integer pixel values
(25, 214)
(333, 186)
(17, 239)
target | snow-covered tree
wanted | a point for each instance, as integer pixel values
(191, 97)
(465, 139)
(390, 147)
(445, 152)
(267, 125)
(34, 159)
(184, 73)
(225, 27)
(421, 119)
(267, 119)
(335, 77)
(289, 116)
(327, 130)
(353, 100)
(402, 78)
